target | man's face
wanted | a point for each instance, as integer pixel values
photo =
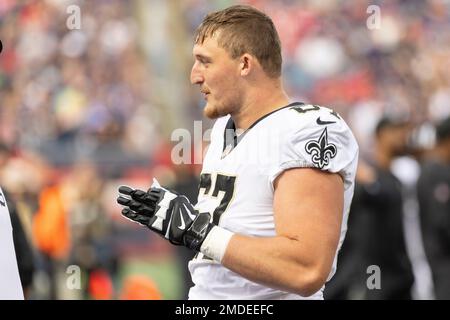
(396, 138)
(218, 76)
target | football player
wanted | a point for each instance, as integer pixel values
(277, 180)
(10, 285)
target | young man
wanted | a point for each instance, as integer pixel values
(273, 200)
(10, 285)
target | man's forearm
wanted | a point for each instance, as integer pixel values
(277, 262)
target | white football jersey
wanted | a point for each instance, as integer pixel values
(10, 285)
(237, 179)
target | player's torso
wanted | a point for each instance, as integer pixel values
(235, 184)
(237, 189)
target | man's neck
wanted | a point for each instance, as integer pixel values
(258, 105)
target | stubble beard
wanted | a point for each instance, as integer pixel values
(214, 111)
(211, 112)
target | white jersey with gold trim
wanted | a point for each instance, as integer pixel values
(10, 285)
(237, 185)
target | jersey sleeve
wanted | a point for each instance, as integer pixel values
(326, 145)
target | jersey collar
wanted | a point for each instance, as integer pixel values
(230, 137)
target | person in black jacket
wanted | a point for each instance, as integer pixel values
(384, 243)
(375, 234)
(434, 202)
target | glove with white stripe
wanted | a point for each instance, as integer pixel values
(166, 213)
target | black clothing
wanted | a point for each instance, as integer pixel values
(434, 203)
(384, 243)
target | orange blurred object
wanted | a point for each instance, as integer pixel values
(100, 285)
(139, 287)
(50, 225)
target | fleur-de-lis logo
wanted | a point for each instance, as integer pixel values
(321, 150)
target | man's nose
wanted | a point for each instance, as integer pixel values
(196, 75)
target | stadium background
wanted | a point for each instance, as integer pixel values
(83, 111)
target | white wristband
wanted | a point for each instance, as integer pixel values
(215, 243)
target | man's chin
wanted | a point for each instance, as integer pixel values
(212, 113)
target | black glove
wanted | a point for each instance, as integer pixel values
(166, 213)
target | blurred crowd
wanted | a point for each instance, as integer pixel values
(85, 110)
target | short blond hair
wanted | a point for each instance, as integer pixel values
(244, 29)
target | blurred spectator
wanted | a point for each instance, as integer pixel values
(51, 233)
(379, 198)
(434, 203)
(92, 233)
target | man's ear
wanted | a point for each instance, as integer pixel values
(246, 64)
